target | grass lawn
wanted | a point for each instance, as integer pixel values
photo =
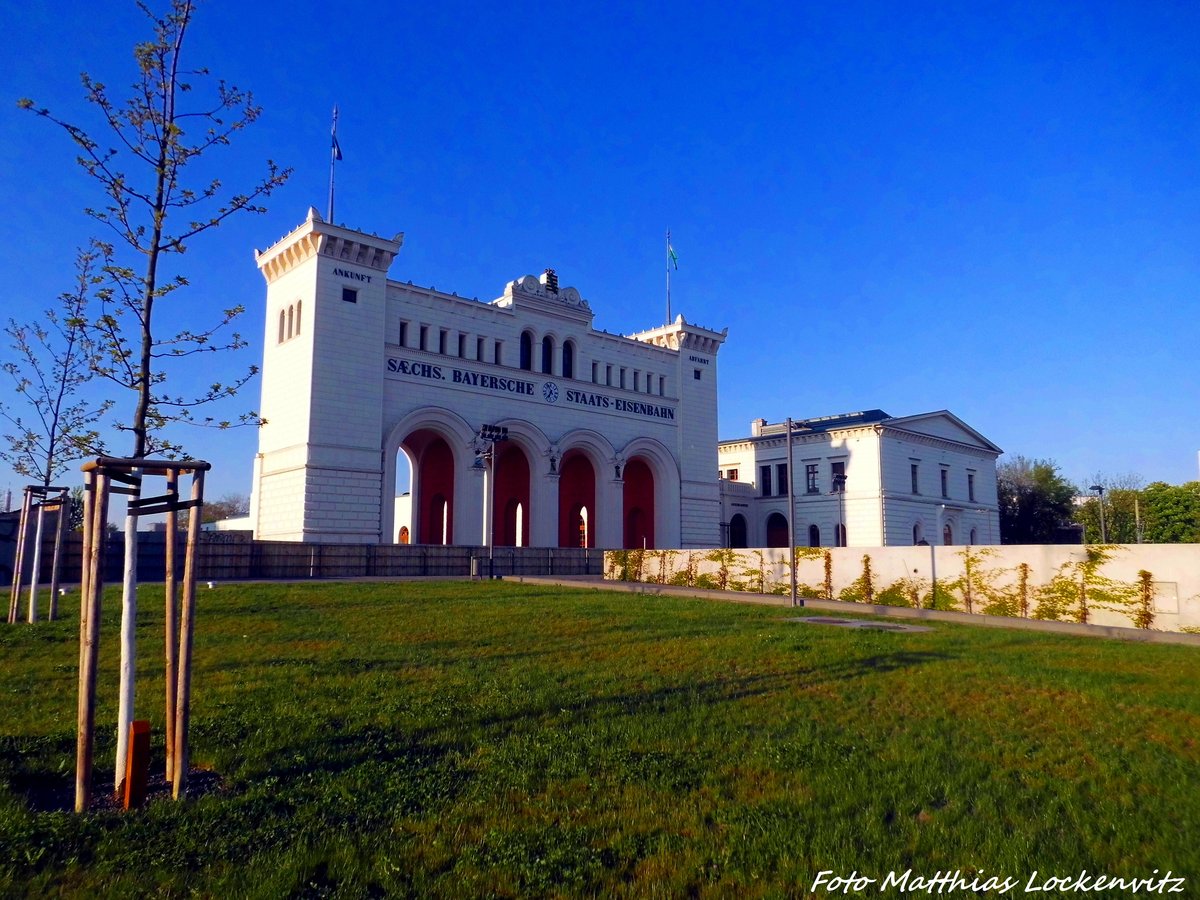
(464, 739)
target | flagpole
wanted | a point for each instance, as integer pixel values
(668, 261)
(333, 155)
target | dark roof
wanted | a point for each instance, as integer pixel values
(829, 423)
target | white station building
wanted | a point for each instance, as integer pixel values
(863, 479)
(612, 440)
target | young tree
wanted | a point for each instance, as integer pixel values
(154, 207)
(57, 425)
(154, 213)
(1035, 500)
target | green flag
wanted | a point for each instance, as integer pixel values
(671, 257)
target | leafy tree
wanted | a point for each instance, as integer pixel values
(141, 164)
(76, 521)
(231, 506)
(1171, 513)
(1035, 500)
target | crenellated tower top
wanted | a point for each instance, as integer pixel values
(682, 335)
(315, 236)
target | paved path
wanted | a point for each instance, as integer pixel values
(896, 612)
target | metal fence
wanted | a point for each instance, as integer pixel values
(227, 555)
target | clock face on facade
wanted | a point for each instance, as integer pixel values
(550, 392)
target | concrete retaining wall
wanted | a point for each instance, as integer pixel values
(1093, 584)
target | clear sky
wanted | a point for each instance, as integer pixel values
(992, 208)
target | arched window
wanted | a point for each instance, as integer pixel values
(947, 535)
(291, 315)
(839, 534)
(527, 351)
(974, 537)
(299, 307)
(814, 536)
(548, 354)
(918, 533)
(568, 360)
(282, 319)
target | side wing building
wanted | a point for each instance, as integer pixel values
(863, 479)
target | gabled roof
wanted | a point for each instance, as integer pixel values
(942, 423)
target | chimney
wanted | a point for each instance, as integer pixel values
(756, 427)
(550, 280)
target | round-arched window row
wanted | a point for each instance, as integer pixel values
(289, 321)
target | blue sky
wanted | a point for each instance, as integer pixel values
(989, 208)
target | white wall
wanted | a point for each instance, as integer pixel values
(1175, 571)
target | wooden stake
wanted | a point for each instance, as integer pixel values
(90, 625)
(171, 626)
(89, 503)
(186, 628)
(35, 567)
(14, 599)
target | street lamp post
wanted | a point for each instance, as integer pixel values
(792, 513)
(485, 458)
(1099, 489)
(839, 487)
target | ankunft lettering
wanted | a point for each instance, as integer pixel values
(353, 276)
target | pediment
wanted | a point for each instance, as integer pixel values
(943, 424)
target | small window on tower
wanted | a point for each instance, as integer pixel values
(696, 374)
(350, 295)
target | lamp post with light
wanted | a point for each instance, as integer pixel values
(838, 484)
(485, 458)
(1099, 489)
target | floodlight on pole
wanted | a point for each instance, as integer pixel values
(485, 458)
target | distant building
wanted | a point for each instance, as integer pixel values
(863, 479)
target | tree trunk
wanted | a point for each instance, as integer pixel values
(36, 569)
(128, 648)
(60, 538)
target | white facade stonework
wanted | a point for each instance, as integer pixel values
(612, 439)
(927, 477)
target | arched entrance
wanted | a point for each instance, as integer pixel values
(576, 501)
(434, 488)
(777, 530)
(737, 531)
(638, 494)
(510, 524)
